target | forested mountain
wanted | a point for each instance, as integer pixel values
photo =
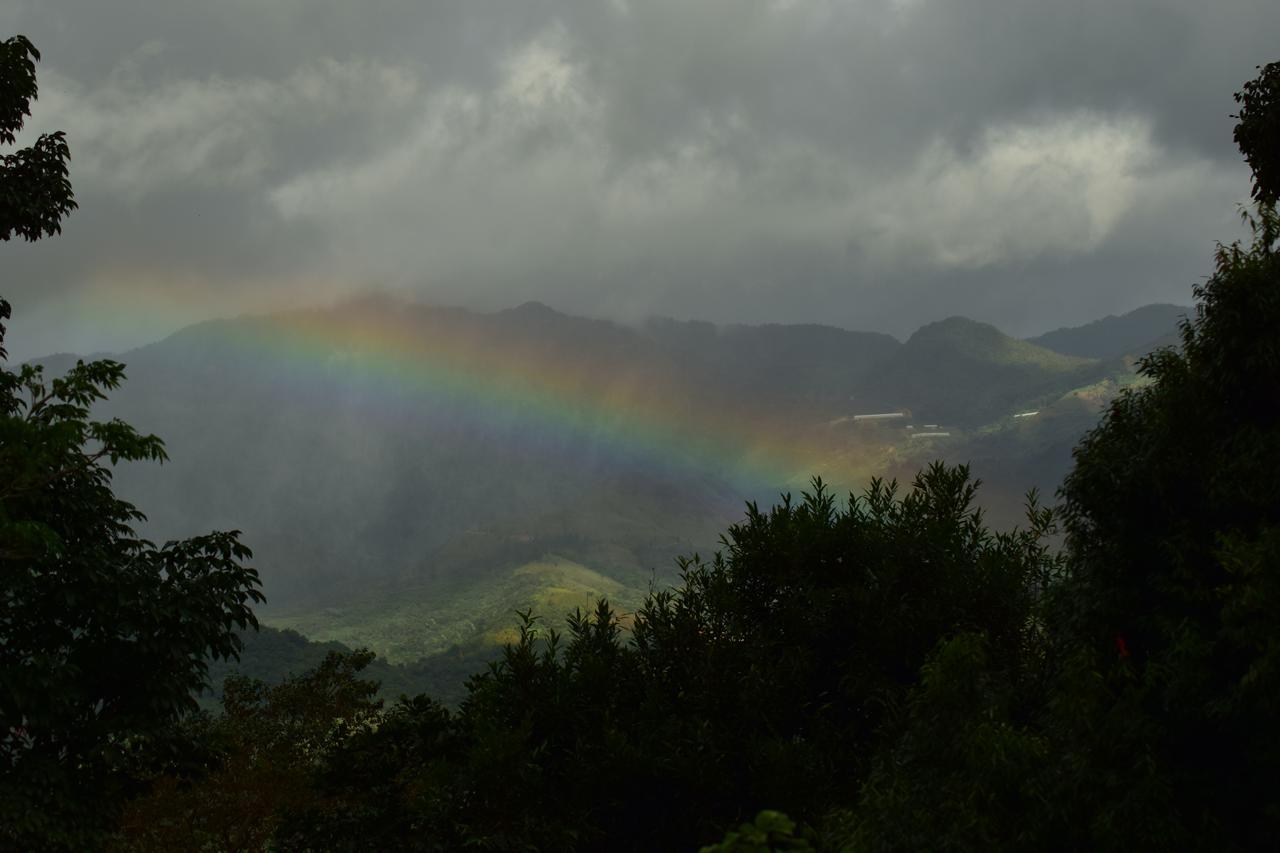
(408, 475)
(804, 362)
(1135, 333)
(961, 371)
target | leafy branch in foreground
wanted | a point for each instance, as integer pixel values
(35, 190)
(104, 636)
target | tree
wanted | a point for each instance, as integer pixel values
(1173, 514)
(264, 746)
(35, 192)
(1147, 721)
(763, 681)
(1258, 131)
(103, 635)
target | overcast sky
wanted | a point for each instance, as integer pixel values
(876, 164)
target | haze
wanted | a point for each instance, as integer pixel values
(875, 165)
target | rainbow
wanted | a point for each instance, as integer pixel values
(548, 391)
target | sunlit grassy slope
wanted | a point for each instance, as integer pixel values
(406, 621)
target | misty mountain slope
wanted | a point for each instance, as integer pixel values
(345, 460)
(819, 365)
(1021, 451)
(398, 468)
(1135, 333)
(960, 371)
(331, 481)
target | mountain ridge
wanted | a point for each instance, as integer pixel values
(1136, 332)
(382, 453)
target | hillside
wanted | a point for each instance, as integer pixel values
(804, 363)
(1135, 333)
(345, 462)
(964, 372)
(271, 655)
(408, 476)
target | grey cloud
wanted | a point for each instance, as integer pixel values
(877, 163)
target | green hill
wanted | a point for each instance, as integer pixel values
(959, 371)
(409, 619)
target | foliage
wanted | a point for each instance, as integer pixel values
(103, 635)
(1258, 132)
(1145, 722)
(273, 656)
(35, 193)
(262, 749)
(1173, 512)
(770, 832)
(763, 679)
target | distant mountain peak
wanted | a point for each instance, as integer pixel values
(960, 337)
(953, 327)
(534, 308)
(1134, 333)
(965, 336)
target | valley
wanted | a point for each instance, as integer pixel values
(410, 476)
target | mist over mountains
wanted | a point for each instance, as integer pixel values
(408, 475)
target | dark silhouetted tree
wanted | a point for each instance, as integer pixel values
(763, 680)
(261, 751)
(1148, 720)
(103, 636)
(1258, 131)
(35, 193)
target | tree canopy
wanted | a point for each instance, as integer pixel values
(35, 191)
(104, 636)
(1146, 721)
(1257, 132)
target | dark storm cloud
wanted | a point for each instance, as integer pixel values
(877, 164)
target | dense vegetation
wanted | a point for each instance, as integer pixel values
(883, 673)
(104, 637)
(271, 655)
